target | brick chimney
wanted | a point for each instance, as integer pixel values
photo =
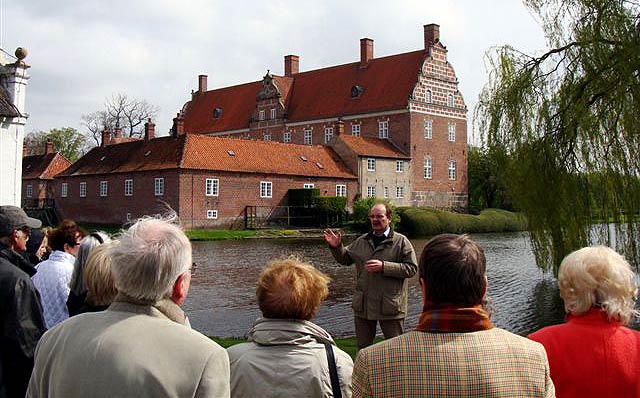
(106, 135)
(339, 127)
(118, 133)
(48, 148)
(149, 130)
(291, 64)
(202, 83)
(178, 125)
(431, 35)
(366, 51)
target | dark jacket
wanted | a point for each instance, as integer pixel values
(380, 295)
(21, 323)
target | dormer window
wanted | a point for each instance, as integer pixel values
(304, 159)
(356, 91)
(147, 153)
(231, 153)
(217, 113)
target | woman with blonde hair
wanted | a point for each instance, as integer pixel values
(593, 354)
(98, 280)
(288, 355)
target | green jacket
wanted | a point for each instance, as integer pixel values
(380, 295)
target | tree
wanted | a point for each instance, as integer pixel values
(66, 140)
(567, 114)
(487, 186)
(120, 111)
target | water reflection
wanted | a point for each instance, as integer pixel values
(222, 300)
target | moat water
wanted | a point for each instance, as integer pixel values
(222, 301)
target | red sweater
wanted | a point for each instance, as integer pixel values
(590, 356)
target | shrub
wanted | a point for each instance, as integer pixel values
(429, 222)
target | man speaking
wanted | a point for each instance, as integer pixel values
(384, 260)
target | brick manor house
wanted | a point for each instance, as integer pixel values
(393, 127)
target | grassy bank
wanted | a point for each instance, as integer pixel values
(428, 222)
(347, 344)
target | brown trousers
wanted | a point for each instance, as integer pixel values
(366, 329)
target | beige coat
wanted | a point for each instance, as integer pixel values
(128, 351)
(287, 358)
(380, 295)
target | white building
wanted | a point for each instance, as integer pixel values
(13, 85)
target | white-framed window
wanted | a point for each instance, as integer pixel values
(266, 137)
(308, 186)
(450, 100)
(399, 166)
(212, 214)
(308, 140)
(452, 169)
(83, 189)
(128, 216)
(355, 129)
(383, 129)
(385, 192)
(272, 113)
(104, 188)
(451, 129)
(64, 189)
(29, 191)
(428, 170)
(428, 97)
(266, 189)
(399, 192)
(212, 187)
(371, 191)
(158, 186)
(261, 114)
(428, 129)
(371, 165)
(341, 190)
(328, 134)
(286, 137)
(128, 187)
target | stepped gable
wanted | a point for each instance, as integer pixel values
(140, 155)
(387, 83)
(268, 157)
(377, 147)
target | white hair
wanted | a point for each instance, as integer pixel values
(151, 255)
(87, 244)
(598, 277)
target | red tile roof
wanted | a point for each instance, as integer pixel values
(196, 152)
(388, 82)
(44, 166)
(237, 104)
(377, 147)
(214, 153)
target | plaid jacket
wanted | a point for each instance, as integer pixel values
(489, 363)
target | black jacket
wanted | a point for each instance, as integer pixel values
(21, 323)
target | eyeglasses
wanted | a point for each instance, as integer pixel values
(26, 231)
(194, 268)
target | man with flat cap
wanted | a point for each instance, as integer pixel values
(21, 319)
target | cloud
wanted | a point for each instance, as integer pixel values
(84, 51)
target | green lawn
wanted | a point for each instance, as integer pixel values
(347, 344)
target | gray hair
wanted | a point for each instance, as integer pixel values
(87, 244)
(598, 277)
(151, 255)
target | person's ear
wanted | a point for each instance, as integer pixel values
(423, 287)
(180, 289)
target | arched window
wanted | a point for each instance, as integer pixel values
(427, 96)
(450, 101)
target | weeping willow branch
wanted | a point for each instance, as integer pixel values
(567, 120)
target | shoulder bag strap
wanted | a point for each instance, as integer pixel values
(333, 371)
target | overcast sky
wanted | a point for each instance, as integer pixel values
(82, 51)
